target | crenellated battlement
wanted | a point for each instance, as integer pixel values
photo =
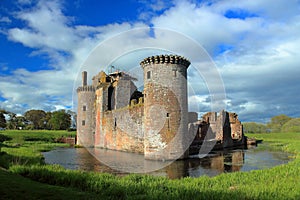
(165, 59)
(86, 88)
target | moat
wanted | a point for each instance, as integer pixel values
(217, 162)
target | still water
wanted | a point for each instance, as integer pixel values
(215, 163)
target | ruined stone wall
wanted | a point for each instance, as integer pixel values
(165, 97)
(225, 127)
(121, 129)
(114, 117)
(123, 91)
(236, 127)
(209, 127)
(101, 106)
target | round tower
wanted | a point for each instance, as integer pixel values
(165, 107)
(85, 113)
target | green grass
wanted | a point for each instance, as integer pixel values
(25, 147)
(289, 142)
(280, 182)
(21, 136)
(13, 186)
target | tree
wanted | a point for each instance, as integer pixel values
(277, 122)
(253, 127)
(60, 120)
(36, 117)
(19, 122)
(2, 120)
(11, 120)
(14, 121)
(292, 125)
(46, 120)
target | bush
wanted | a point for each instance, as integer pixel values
(292, 126)
(4, 138)
(253, 127)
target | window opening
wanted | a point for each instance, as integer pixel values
(148, 74)
(168, 121)
(174, 73)
(110, 97)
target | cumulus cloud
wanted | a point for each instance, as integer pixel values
(255, 50)
(254, 44)
(66, 47)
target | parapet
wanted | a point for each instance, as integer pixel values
(87, 88)
(161, 59)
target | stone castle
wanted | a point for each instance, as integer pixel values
(113, 114)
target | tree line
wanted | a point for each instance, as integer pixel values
(38, 119)
(277, 124)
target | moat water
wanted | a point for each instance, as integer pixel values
(217, 162)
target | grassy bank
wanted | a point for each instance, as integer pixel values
(13, 186)
(280, 182)
(25, 147)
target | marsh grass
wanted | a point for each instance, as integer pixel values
(280, 182)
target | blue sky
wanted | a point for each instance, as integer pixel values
(254, 44)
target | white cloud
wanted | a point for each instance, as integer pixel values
(260, 65)
(24, 2)
(50, 30)
(152, 7)
(257, 55)
(5, 20)
(66, 47)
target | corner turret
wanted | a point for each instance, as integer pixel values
(85, 113)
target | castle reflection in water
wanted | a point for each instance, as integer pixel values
(213, 164)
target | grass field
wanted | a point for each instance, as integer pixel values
(280, 182)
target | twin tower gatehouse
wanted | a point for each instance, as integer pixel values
(113, 114)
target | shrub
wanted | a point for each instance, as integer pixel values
(4, 138)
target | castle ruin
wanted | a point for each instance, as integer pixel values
(113, 114)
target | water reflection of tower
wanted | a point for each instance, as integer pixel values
(238, 159)
(178, 169)
(87, 162)
(233, 161)
(221, 162)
